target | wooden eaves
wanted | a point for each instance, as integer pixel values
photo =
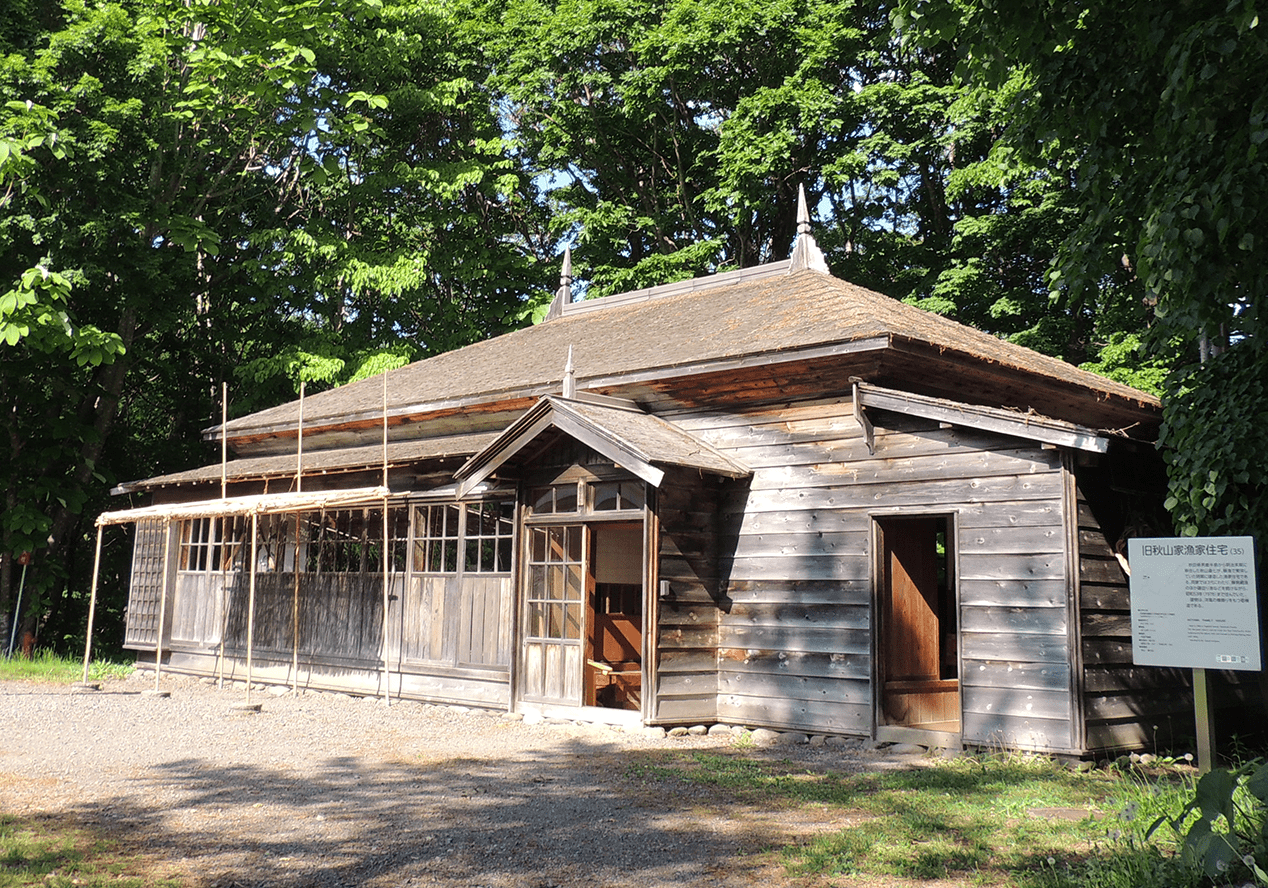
(1030, 426)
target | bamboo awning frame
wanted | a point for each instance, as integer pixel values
(257, 504)
(292, 502)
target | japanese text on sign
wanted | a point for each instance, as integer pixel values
(1195, 603)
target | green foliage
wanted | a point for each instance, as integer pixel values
(253, 192)
(1124, 358)
(669, 138)
(1157, 114)
(1212, 441)
(34, 313)
(1224, 826)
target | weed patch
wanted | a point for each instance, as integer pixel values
(46, 666)
(50, 853)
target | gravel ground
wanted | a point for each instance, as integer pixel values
(328, 790)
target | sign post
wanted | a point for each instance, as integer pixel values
(1195, 604)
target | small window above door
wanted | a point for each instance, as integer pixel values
(588, 497)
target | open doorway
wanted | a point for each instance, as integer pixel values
(918, 656)
(614, 643)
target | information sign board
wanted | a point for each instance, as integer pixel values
(1195, 603)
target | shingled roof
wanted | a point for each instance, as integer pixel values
(771, 318)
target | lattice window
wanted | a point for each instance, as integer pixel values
(618, 496)
(147, 585)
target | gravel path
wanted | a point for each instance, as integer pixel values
(327, 790)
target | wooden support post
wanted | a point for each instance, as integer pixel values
(1204, 716)
(226, 559)
(158, 635)
(224, 440)
(92, 605)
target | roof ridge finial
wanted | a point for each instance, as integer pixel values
(570, 378)
(803, 214)
(806, 255)
(563, 295)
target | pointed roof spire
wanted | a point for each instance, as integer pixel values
(564, 294)
(806, 254)
(570, 378)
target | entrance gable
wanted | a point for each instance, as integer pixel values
(637, 441)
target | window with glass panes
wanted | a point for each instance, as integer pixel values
(489, 534)
(348, 540)
(555, 581)
(618, 496)
(436, 534)
(555, 499)
(209, 544)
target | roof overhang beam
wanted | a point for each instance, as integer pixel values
(1030, 426)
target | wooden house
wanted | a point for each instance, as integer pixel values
(766, 497)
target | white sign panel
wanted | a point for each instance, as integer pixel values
(1195, 603)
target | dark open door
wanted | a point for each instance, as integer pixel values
(919, 681)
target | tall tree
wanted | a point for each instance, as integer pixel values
(1158, 114)
(669, 137)
(248, 191)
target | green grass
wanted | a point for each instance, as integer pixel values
(971, 821)
(48, 853)
(46, 666)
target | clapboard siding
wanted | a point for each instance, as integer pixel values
(1004, 730)
(687, 625)
(1015, 674)
(795, 632)
(1124, 705)
(946, 493)
(1021, 593)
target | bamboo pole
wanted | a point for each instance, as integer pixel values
(299, 443)
(295, 614)
(224, 440)
(224, 563)
(226, 558)
(387, 666)
(255, 528)
(92, 604)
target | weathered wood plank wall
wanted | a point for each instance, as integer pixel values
(687, 505)
(1125, 706)
(795, 625)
